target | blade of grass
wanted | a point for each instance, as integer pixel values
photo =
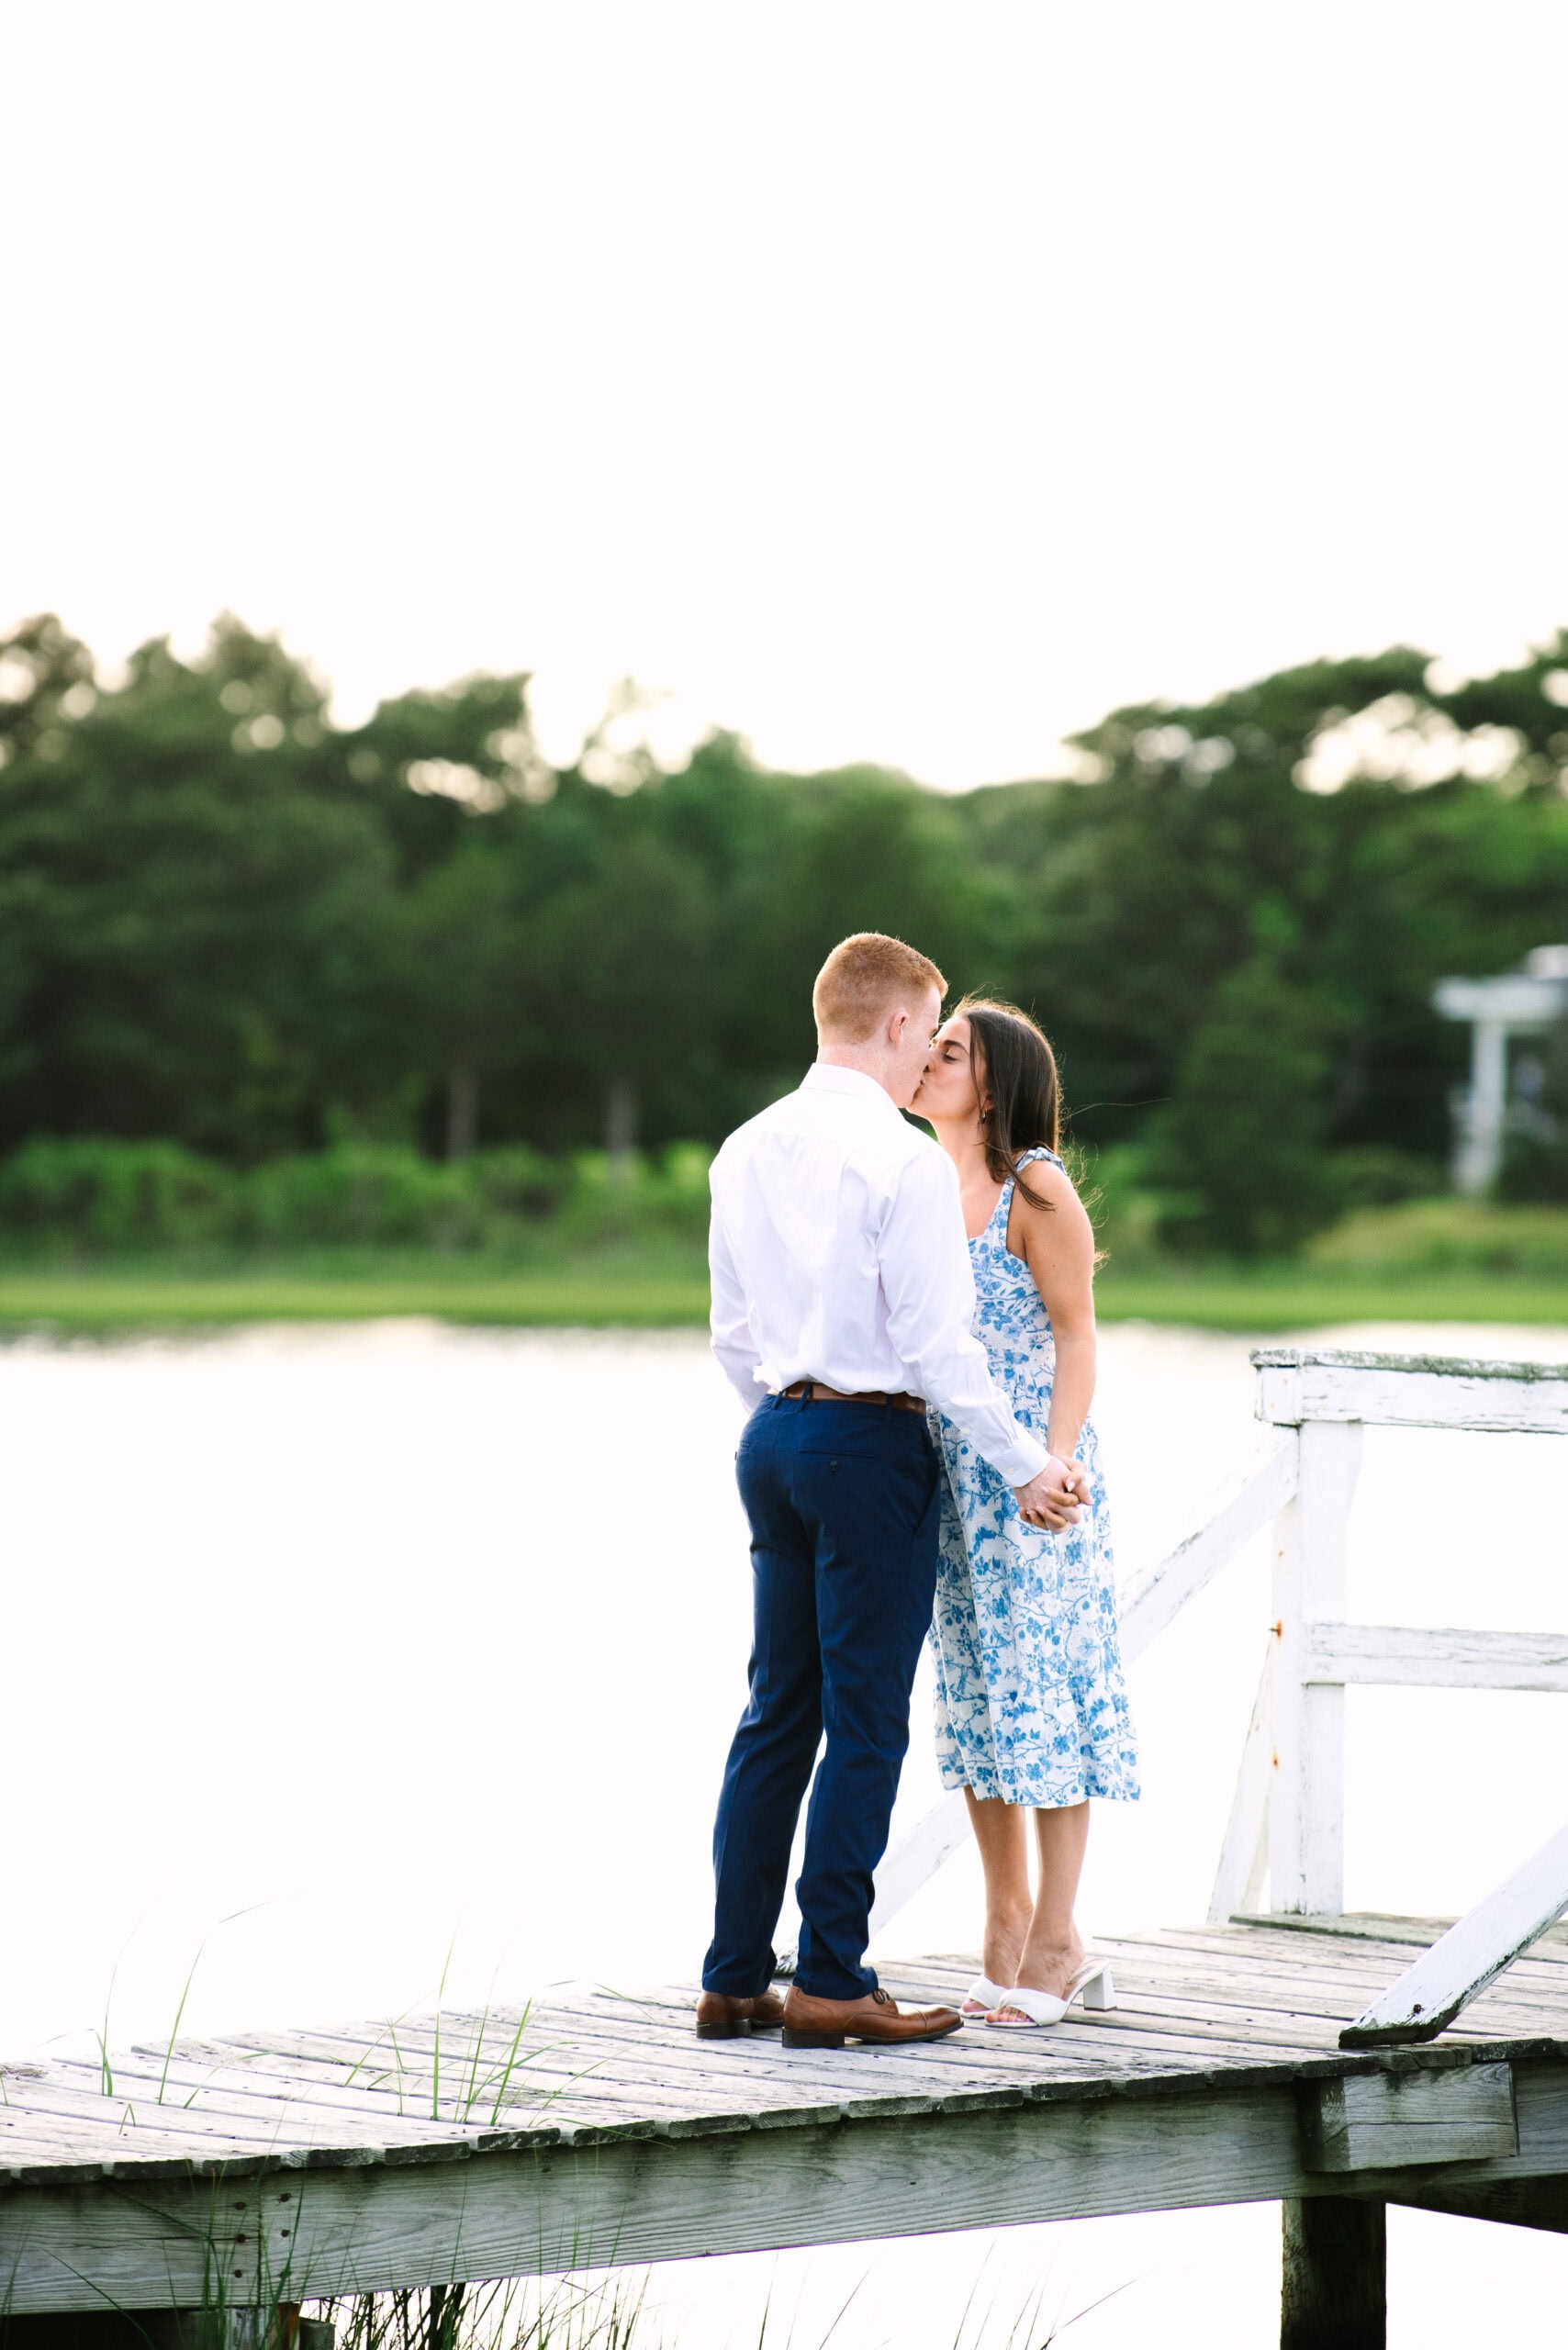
(510, 2062)
(105, 2070)
(439, 1996)
(174, 2027)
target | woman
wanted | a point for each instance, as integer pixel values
(1031, 1711)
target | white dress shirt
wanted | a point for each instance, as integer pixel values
(838, 1253)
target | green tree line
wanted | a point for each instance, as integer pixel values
(228, 923)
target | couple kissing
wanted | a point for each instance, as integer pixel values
(909, 1325)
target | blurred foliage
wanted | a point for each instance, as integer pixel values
(229, 926)
(1239, 1150)
(95, 1197)
(1448, 1236)
(112, 1198)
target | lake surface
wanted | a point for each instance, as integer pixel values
(336, 1658)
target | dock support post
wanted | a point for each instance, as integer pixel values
(1333, 2289)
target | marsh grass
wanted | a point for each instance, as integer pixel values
(599, 2312)
(610, 2310)
(602, 2309)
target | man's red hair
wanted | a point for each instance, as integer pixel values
(864, 981)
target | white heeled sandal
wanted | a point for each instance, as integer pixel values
(982, 1996)
(1092, 1985)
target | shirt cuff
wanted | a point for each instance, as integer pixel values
(1023, 1461)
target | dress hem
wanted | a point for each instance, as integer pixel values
(1090, 1793)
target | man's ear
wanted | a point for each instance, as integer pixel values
(897, 1021)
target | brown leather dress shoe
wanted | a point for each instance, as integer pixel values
(877, 2020)
(720, 2018)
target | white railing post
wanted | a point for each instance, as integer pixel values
(1307, 1808)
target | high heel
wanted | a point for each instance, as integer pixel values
(1092, 1986)
(1097, 1991)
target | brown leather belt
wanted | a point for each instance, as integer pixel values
(817, 1393)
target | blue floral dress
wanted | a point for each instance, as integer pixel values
(1030, 1701)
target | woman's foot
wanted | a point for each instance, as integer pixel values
(1006, 1934)
(1044, 1966)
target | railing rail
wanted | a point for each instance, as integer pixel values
(1243, 1853)
(1150, 1601)
(1461, 1963)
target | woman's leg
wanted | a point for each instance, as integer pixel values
(1053, 1950)
(1003, 1844)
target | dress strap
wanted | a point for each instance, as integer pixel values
(1002, 1213)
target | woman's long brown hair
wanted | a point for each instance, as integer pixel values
(1014, 1071)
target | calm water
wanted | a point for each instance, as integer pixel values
(325, 1647)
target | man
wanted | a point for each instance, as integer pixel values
(842, 1302)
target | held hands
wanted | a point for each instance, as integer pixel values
(1056, 1498)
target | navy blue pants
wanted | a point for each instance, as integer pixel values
(841, 1499)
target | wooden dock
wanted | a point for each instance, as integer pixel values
(595, 2128)
(1334, 2063)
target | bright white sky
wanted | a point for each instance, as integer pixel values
(899, 382)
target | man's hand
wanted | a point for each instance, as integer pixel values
(1056, 1498)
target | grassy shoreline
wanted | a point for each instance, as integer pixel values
(671, 1291)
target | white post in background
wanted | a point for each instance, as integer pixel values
(1307, 1808)
(1482, 1155)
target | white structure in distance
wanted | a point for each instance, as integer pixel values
(1525, 1002)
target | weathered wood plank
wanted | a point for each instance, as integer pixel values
(1377, 1926)
(1276, 1993)
(1411, 1656)
(975, 2061)
(1274, 1943)
(1520, 2203)
(198, 2097)
(1333, 2006)
(307, 2117)
(375, 2229)
(991, 2071)
(1300, 1385)
(1350, 1926)
(1337, 1999)
(1394, 2120)
(1470, 1955)
(1160, 1988)
(1163, 2035)
(627, 2052)
(1328, 1960)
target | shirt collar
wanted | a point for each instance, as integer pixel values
(826, 1077)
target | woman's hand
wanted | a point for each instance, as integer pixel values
(1056, 1498)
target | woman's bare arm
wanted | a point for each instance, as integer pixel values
(1057, 1243)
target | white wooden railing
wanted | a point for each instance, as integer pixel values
(1286, 1822)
